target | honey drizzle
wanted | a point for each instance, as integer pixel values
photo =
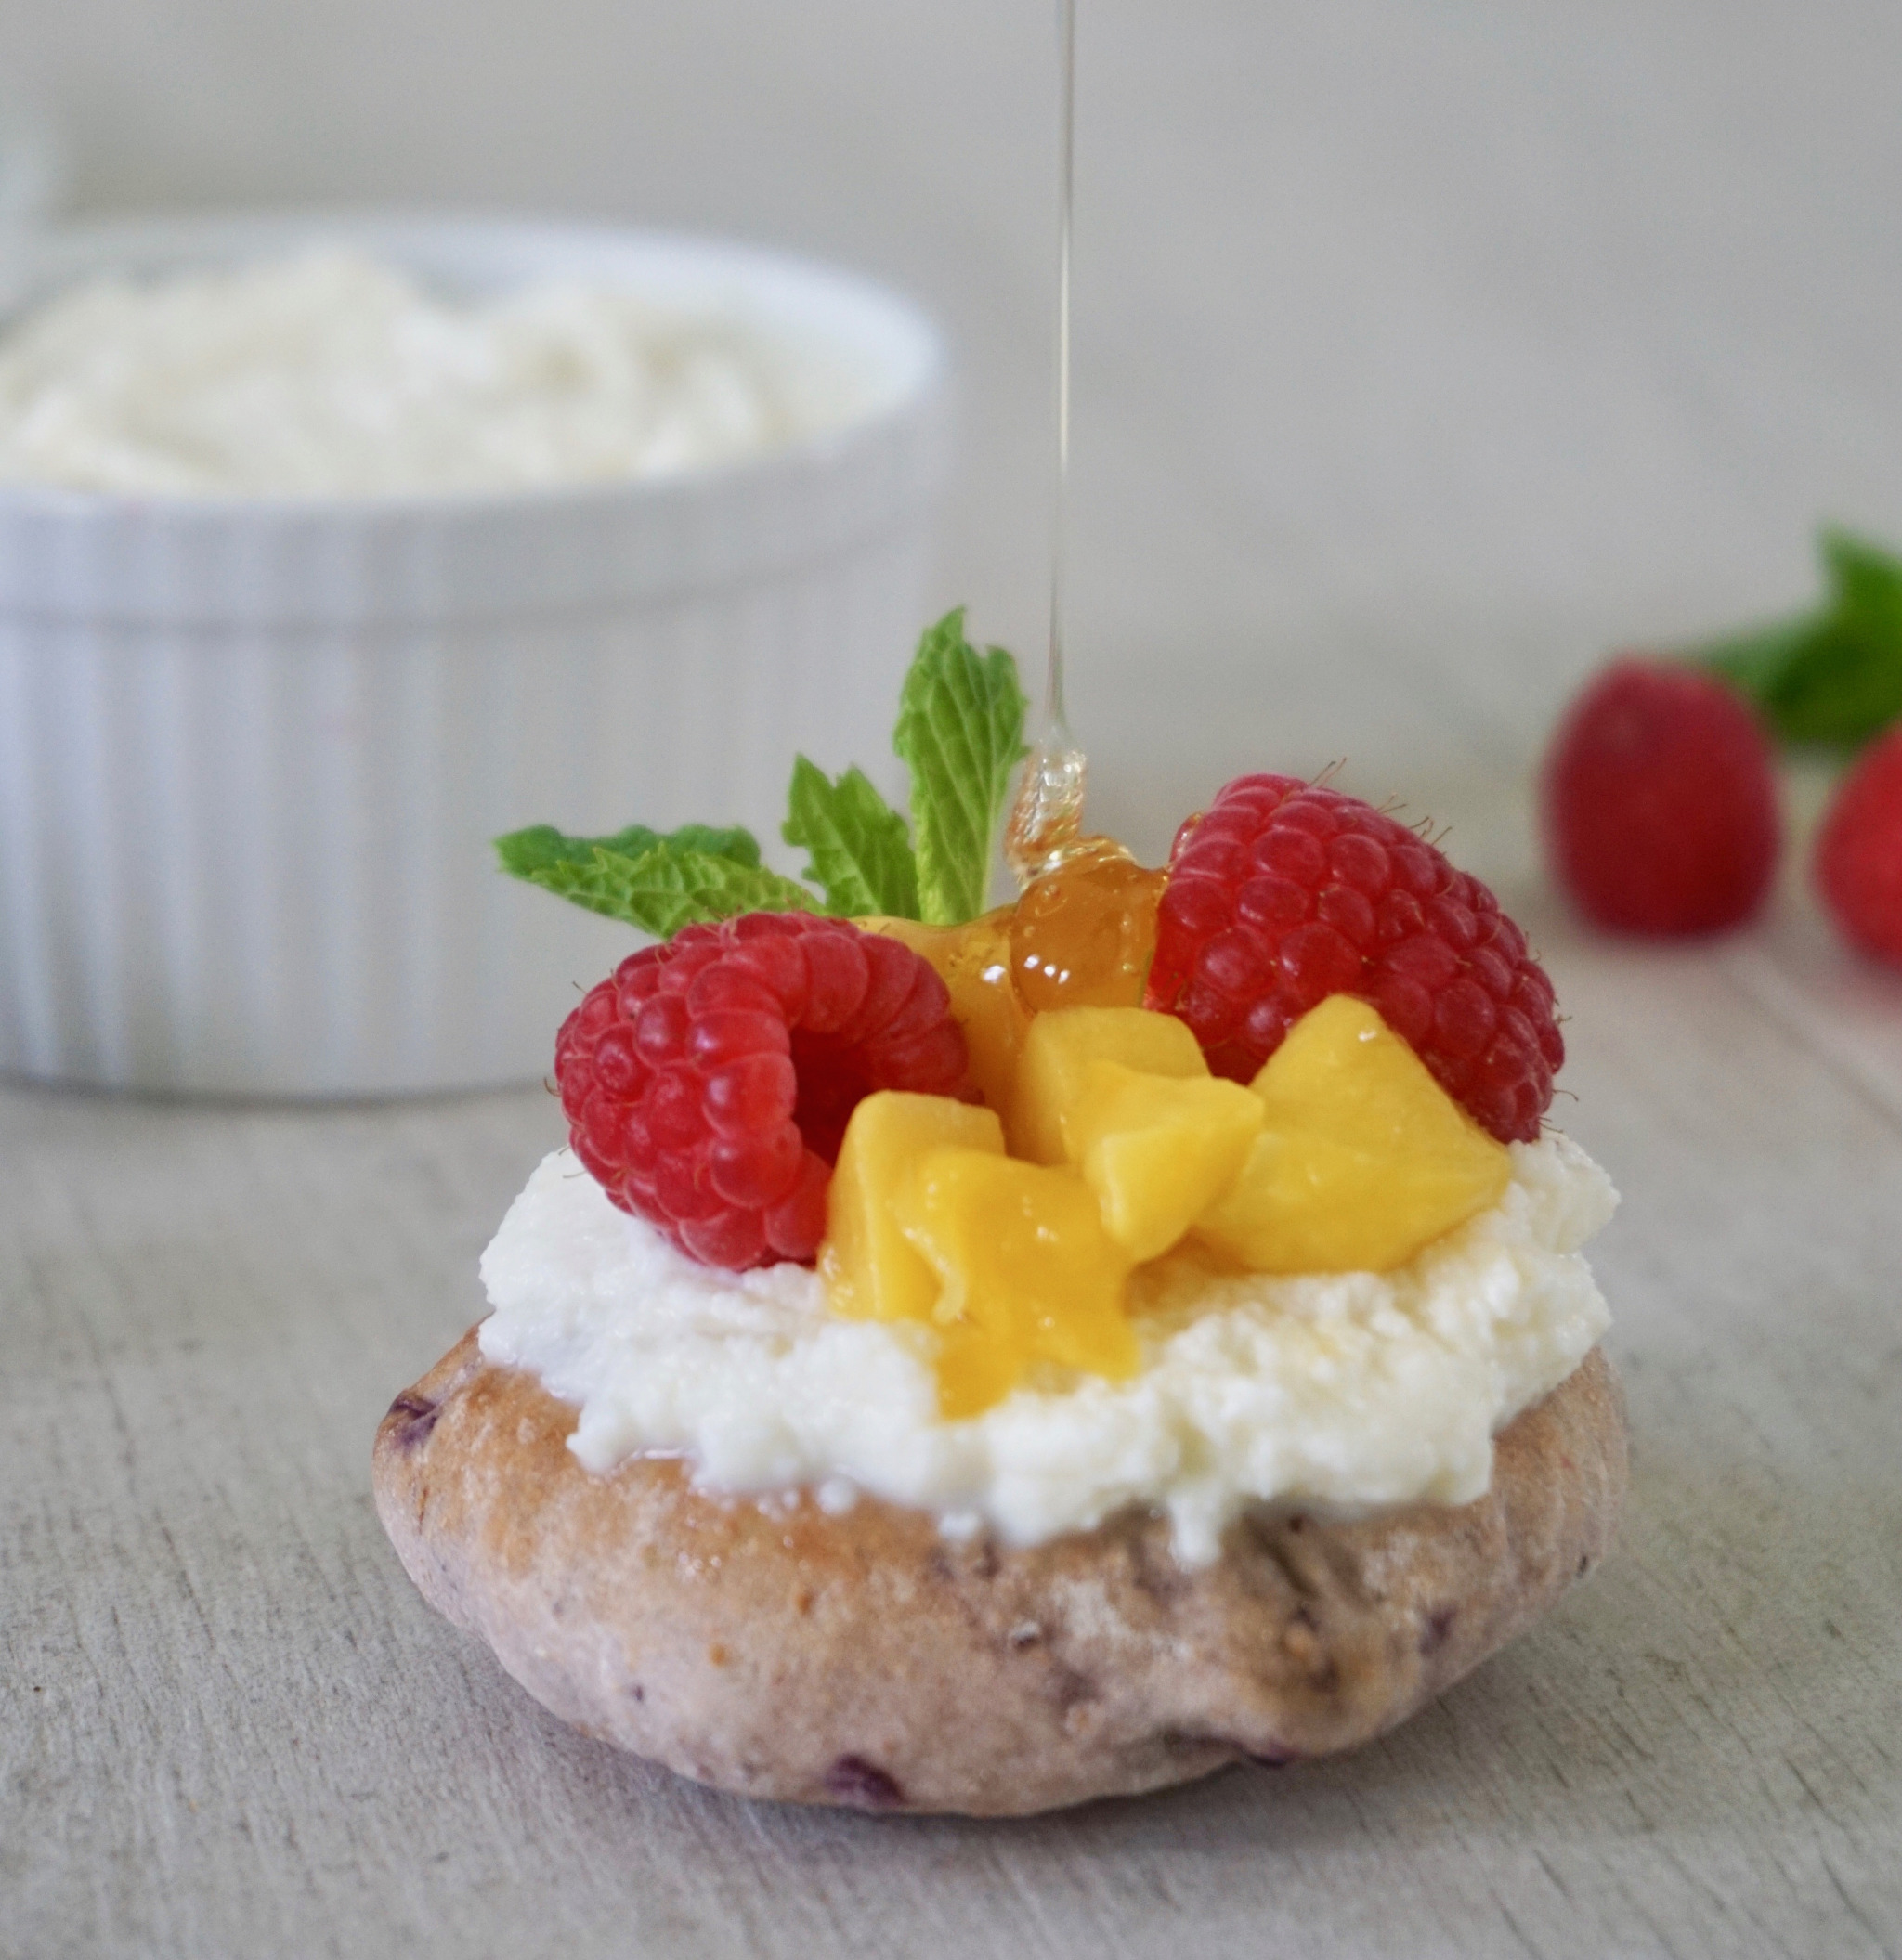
(1045, 820)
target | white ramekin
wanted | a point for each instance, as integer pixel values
(253, 752)
(30, 164)
(32, 175)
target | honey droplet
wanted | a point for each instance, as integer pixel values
(1046, 820)
(1083, 935)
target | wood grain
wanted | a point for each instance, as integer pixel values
(227, 1719)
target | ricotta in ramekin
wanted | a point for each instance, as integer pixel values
(333, 373)
(1342, 1391)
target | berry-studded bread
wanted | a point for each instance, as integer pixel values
(776, 1651)
(923, 1391)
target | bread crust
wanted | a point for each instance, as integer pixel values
(861, 1659)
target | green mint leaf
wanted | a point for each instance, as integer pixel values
(732, 842)
(525, 853)
(1846, 684)
(1835, 675)
(667, 887)
(960, 733)
(1754, 659)
(860, 853)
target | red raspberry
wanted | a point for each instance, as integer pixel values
(1283, 894)
(1661, 803)
(1858, 862)
(707, 1083)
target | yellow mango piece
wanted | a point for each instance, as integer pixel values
(1158, 1150)
(871, 1270)
(975, 1371)
(1026, 1272)
(974, 961)
(1054, 1067)
(1363, 1158)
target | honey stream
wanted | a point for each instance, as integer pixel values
(1046, 820)
(1083, 932)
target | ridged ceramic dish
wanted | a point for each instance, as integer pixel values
(251, 752)
(31, 165)
(32, 176)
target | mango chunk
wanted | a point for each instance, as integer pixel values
(1363, 1159)
(975, 1371)
(1158, 1150)
(1025, 1270)
(974, 961)
(871, 1270)
(1053, 1070)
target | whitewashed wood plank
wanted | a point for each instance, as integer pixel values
(229, 1720)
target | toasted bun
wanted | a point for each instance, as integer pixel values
(777, 1651)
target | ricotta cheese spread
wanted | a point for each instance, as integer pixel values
(1342, 1391)
(332, 375)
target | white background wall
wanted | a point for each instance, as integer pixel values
(1474, 338)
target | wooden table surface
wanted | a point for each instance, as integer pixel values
(1425, 354)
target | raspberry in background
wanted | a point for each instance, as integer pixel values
(1284, 892)
(1660, 802)
(1858, 860)
(708, 1082)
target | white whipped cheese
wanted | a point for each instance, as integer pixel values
(332, 375)
(1342, 1391)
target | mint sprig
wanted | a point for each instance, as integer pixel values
(665, 887)
(1833, 675)
(859, 853)
(531, 853)
(960, 733)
